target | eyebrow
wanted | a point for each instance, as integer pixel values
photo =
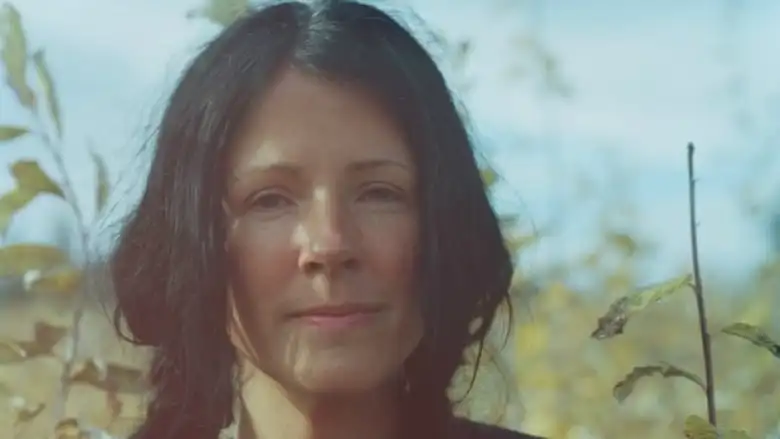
(365, 165)
(292, 168)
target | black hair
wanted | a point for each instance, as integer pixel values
(169, 267)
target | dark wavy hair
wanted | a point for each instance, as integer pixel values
(169, 268)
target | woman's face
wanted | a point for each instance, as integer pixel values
(323, 229)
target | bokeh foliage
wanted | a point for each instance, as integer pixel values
(617, 360)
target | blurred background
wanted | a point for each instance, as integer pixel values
(582, 112)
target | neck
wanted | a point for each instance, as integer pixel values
(268, 411)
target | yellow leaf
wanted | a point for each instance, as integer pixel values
(698, 428)
(621, 280)
(623, 389)
(591, 260)
(221, 12)
(102, 181)
(555, 297)
(17, 259)
(11, 352)
(489, 176)
(24, 410)
(735, 434)
(759, 310)
(31, 181)
(532, 338)
(755, 335)
(8, 132)
(508, 221)
(45, 339)
(613, 322)
(12, 202)
(14, 54)
(625, 243)
(517, 243)
(63, 281)
(5, 390)
(29, 176)
(47, 85)
(69, 428)
(110, 377)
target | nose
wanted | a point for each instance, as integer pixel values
(327, 239)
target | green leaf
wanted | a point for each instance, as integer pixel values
(14, 54)
(755, 335)
(30, 177)
(621, 310)
(11, 203)
(47, 84)
(221, 12)
(623, 389)
(102, 181)
(9, 132)
(18, 259)
(697, 427)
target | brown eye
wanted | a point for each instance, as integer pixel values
(269, 201)
(382, 194)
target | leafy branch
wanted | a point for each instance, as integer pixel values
(613, 322)
(44, 269)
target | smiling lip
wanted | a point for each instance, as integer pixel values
(337, 316)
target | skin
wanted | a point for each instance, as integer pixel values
(321, 210)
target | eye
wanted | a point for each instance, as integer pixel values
(382, 194)
(269, 201)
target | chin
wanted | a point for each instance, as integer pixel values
(344, 376)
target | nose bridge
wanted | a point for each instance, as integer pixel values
(326, 229)
(325, 219)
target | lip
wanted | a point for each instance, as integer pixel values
(338, 316)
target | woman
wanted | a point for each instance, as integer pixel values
(314, 248)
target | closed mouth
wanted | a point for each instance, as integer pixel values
(334, 311)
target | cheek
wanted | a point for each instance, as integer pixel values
(263, 258)
(390, 254)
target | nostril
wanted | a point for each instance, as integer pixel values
(313, 267)
(319, 266)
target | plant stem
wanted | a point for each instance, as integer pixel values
(72, 200)
(698, 290)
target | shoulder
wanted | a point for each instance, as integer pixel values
(466, 429)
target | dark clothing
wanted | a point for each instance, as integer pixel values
(465, 429)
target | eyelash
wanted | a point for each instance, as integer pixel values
(383, 192)
(256, 201)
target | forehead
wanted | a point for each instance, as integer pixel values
(307, 119)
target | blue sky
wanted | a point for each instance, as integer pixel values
(647, 78)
